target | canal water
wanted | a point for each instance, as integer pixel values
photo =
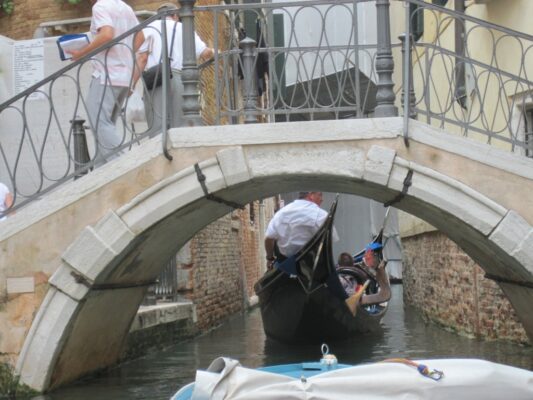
(404, 334)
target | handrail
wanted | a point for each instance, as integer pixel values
(32, 146)
(82, 60)
(277, 5)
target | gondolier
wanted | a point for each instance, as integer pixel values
(293, 225)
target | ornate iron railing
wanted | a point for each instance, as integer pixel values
(293, 61)
(300, 60)
(41, 141)
(471, 76)
(166, 287)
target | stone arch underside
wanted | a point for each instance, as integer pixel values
(95, 292)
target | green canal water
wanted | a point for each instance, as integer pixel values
(404, 334)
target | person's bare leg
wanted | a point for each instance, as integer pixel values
(384, 292)
(354, 299)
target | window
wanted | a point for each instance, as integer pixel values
(417, 21)
(417, 17)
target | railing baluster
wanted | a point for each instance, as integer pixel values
(81, 152)
(189, 72)
(165, 70)
(384, 64)
(408, 98)
(249, 54)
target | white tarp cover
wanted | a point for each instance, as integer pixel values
(463, 379)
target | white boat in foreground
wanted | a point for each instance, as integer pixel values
(468, 379)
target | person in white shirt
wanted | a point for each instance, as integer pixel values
(294, 225)
(150, 55)
(6, 200)
(112, 71)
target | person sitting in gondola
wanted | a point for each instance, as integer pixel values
(350, 277)
(354, 279)
(294, 225)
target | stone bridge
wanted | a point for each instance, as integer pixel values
(94, 245)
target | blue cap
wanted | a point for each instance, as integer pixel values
(374, 246)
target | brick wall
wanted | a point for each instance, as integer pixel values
(252, 262)
(216, 273)
(28, 14)
(222, 263)
(449, 288)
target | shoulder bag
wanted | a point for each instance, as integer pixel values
(153, 76)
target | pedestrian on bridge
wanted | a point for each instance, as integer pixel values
(6, 201)
(150, 56)
(112, 72)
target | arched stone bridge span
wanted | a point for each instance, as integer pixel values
(104, 237)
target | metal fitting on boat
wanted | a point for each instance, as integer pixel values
(327, 360)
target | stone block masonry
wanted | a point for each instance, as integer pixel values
(156, 327)
(450, 289)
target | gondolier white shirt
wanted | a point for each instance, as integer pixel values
(296, 223)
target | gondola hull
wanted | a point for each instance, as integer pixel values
(290, 314)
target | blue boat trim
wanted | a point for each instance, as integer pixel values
(306, 369)
(297, 371)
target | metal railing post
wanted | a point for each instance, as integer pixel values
(81, 152)
(460, 77)
(248, 46)
(407, 48)
(165, 71)
(189, 72)
(384, 63)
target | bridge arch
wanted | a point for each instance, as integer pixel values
(100, 281)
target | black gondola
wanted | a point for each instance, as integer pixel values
(302, 300)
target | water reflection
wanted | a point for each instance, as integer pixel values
(404, 334)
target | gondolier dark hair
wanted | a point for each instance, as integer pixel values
(303, 195)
